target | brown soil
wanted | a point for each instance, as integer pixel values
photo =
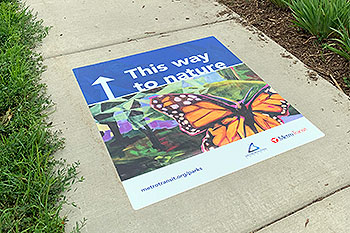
(276, 23)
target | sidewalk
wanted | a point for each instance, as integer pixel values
(277, 195)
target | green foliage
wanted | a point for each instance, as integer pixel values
(235, 90)
(146, 150)
(228, 74)
(342, 42)
(347, 81)
(319, 16)
(239, 72)
(141, 157)
(140, 150)
(32, 182)
(20, 26)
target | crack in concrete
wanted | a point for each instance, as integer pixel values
(147, 35)
(301, 208)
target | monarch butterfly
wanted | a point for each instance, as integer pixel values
(224, 120)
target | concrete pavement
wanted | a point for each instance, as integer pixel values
(259, 197)
(83, 24)
(329, 215)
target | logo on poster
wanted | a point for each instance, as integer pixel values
(287, 136)
(274, 140)
(253, 150)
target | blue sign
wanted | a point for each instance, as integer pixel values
(140, 72)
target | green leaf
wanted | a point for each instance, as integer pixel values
(95, 109)
(133, 152)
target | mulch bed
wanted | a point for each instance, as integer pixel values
(276, 23)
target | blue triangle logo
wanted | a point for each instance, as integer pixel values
(253, 148)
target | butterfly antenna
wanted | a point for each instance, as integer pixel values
(239, 103)
(246, 96)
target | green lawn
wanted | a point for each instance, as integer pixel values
(32, 182)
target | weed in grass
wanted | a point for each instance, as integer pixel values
(319, 16)
(342, 42)
(32, 181)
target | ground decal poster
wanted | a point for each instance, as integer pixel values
(181, 116)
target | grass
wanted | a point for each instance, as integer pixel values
(32, 181)
(341, 43)
(318, 17)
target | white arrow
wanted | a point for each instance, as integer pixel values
(103, 81)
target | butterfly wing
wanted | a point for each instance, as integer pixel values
(264, 110)
(222, 133)
(194, 113)
(267, 107)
